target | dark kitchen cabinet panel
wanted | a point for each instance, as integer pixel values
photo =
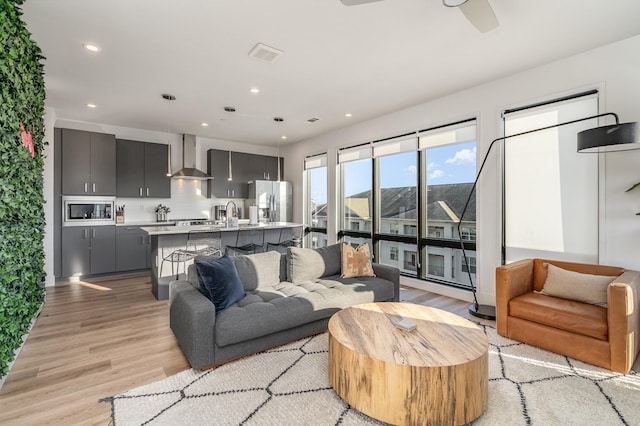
(88, 163)
(142, 170)
(132, 249)
(157, 183)
(88, 250)
(218, 168)
(265, 167)
(245, 168)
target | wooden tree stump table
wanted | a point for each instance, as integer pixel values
(436, 374)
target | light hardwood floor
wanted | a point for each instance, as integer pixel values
(96, 338)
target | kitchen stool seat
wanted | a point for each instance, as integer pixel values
(248, 241)
(289, 237)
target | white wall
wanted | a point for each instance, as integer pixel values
(613, 69)
(188, 197)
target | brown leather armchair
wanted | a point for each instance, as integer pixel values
(603, 336)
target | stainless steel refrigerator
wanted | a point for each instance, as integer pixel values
(273, 199)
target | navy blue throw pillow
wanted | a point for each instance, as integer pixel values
(219, 281)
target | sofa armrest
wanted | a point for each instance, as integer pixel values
(623, 299)
(192, 318)
(512, 280)
(389, 273)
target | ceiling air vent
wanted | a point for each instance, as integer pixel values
(312, 120)
(265, 53)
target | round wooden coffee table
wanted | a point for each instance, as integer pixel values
(435, 374)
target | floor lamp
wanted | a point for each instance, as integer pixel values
(616, 137)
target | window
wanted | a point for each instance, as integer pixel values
(436, 231)
(406, 195)
(449, 170)
(393, 253)
(472, 265)
(543, 169)
(436, 265)
(410, 260)
(316, 200)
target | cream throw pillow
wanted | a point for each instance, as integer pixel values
(572, 285)
(356, 262)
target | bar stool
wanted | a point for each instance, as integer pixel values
(289, 237)
(248, 241)
(199, 243)
(204, 243)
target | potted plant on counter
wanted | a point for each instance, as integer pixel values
(161, 212)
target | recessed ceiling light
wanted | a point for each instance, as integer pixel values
(284, 137)
(204, 124)
(348, 114)
(254, 90)
(91, 47)
(91, 105)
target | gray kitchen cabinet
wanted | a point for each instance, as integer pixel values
(245, 168)
(141, 170)
(265, 167)
(88, 163)
(132, 248)
(87, 250)
(218, 168)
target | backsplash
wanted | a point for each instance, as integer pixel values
(187, 202)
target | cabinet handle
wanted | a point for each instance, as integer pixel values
(142, 239)
(141, 191)
(86, 233)
(86, 187)
(147, 191)
(93, 233)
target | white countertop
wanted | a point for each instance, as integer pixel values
(168, 230)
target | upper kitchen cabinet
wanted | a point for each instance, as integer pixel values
(265, 167)
(218, 163)
(88, 163)
(245, 168)
(141, 170)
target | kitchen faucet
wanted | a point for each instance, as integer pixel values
(230, 215)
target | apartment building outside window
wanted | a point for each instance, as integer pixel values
(406, 195)
(315, 176)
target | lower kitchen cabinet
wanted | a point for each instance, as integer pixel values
(88, 250)
(132, 248)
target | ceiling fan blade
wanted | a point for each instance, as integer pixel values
(356, 2)
(480, 14)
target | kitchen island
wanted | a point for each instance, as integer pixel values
(166, 239)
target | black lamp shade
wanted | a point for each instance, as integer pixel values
(617, 137)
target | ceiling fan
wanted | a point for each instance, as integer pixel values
(478, 12)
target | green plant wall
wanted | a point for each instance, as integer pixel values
(21, 165)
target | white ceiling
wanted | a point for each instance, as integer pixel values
(368, 60)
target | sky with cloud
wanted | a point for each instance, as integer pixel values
(445, 165)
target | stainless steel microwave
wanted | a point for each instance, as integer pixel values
(88, 211)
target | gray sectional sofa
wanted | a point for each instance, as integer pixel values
(288, 296)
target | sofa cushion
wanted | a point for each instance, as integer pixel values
(576, 286)
(575, 317)
(287, 305)
(309, 264)
(356, 262)
(219, 281)
(258, 270)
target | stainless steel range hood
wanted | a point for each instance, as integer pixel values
(188, 170)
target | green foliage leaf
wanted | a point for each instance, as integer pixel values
(21, 198)
(633, 187)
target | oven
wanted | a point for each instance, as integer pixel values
(88, 211)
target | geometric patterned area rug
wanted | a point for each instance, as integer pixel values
(289, 385)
